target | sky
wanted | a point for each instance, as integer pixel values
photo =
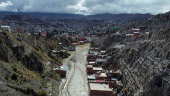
(87, 7)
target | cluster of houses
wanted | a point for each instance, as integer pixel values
(78, 41)
(135, 32)
(102, 82)
(62, 70)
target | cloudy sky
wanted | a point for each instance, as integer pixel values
(87, 7)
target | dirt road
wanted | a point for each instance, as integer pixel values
(75, 83)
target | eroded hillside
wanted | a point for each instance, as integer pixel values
(145, 63)
(26, 65)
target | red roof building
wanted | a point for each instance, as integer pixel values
(43, 34)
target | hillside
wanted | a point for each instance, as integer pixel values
(26, 65)
(145, 63)
(106, 17)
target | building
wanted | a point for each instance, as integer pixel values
(102, 76)
(101, 89)
(90, 69)
(13, 27)
(101, 60)
(7, 28)
(43, 34)
(72, 47)
(62, 70)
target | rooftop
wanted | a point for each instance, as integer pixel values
(63, 67)
(92, 62)
(103, 51)
(89, 65)
(99, 86)
(103, 75)
(97, 68)
(5, 26)
(101, 59)
(91, 77)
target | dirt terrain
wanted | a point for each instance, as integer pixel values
(75, 83)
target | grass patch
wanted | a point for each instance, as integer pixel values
(14, 68)
(41, 93)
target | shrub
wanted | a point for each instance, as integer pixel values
(6, 77)
(14, 76)
(41, 93)
(14, 68)
(4, 33)
(43, 75)
(1, 40)
(44, 84)
(125, 90)
(21, 75)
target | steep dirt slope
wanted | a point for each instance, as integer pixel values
(145, 64)
(26, 65)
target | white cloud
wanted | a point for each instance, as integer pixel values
(127, 6)
(87, 6)
(4, 5)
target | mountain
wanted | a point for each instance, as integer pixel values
(26, 65)
(144, 63)
(104, 17)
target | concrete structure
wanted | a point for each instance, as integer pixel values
(101, 89)
(7, 28)
(90, 69)
(100, 60)
(102, 76)
(61, 70)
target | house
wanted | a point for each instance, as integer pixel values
(143, 28)
(43, 34)
(92, 63)
(114, 74)
(65, 48)
(102, 76)
(135, 30)
(97, 69)
(55, 52)
(91, 57)
(101, 89)
(91, 78)
(103, 52)
(82, 42)
(72, 47)
(93, 52)
(7, 28)
(90, 69)
(101, 60)
(62, 70)
(19, 30)
(81, 38)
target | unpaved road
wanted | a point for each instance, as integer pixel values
(75, 83)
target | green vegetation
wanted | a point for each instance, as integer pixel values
(14, 68)
(44, 84)
(14, 76)
(41, 93)
(4, 33)
(125, 90)
(43, 76)
(1, 40)
(6, 77)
